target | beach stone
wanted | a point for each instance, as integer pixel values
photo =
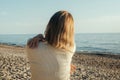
(14, 65)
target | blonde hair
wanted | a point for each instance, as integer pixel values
(60, 30)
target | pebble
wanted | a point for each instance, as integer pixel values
(14, 68)
(14, 65)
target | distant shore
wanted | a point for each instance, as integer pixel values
(89, 66)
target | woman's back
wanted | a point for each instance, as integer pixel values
(49, 63)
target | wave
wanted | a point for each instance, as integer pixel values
(95, 50)
(12, 44)
(117, 43)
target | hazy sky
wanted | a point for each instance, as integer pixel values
(32, 16)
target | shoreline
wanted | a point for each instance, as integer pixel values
(107, 55)
(89, 66)
(79, 52)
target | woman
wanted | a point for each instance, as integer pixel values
(52, 59)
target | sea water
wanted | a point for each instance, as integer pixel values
(85, 42)
(98, 42)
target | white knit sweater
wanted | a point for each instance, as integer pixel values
(49, 63)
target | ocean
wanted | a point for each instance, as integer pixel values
(85, 42)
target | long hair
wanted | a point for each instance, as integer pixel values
(60, 31)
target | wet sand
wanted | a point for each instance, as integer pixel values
(14, 65)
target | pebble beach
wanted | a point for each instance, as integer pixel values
(14, 65)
